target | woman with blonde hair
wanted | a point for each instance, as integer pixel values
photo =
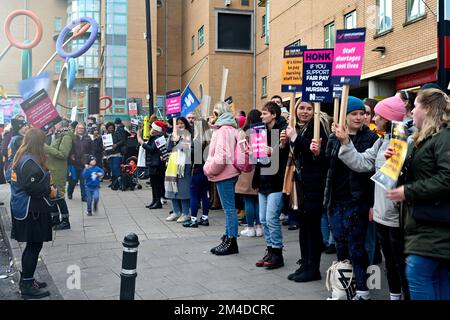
(424, 192)
(31, 209)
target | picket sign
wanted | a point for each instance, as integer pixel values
(344, 102)
(292, 116)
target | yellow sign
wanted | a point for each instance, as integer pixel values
(3, 92)
(292, 69)
(388, 174)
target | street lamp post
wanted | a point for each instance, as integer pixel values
(444, 45)
(149, 56)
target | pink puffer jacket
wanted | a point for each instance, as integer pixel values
(220, 163)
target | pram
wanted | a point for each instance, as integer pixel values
(129, 175)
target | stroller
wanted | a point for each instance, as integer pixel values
(129, 175)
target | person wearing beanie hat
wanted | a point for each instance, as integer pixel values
(19, 129)
(92, 175)
(386, 215)
(348, 194)
(118, 121)
(154, 161)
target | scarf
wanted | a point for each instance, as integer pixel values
(226, 119)
(170, 181)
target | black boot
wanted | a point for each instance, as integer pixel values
(55, 220)
(156, 205)
(229, 247)
(29, 290)
(64, 225)
(40, 285)
(260, 262)
(151, 204)
(298, 271)
(276, 259)
(224, 239)
(309, 274)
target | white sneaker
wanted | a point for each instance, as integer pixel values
(183, 218)
(172, 217)
(248, 232)
(283, 217)
(259, 232)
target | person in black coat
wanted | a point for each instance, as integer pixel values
(310, 175)
(97, 146)
(155, 163)
(349, 196)
(31, 207)
(81, 149)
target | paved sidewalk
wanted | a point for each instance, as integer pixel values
(173, 262)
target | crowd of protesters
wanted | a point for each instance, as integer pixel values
(323, 185)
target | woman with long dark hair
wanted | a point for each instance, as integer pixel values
(31, 209)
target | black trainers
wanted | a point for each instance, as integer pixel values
(64, 225)
(89, 213)
(29, 290)
(308, 276)
(203, 222)
(190, 224)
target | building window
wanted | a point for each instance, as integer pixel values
(414, 9)
(192, 44)
(201, 37)
(159, 4)
(350, 20)
(58, 66)
(263, 87)
(234, 31)
(244, 2)
(263, 26)
(58, 24)
(384, 15)
(329, 35)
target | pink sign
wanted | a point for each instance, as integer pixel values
(258, 140)
(348, 56)
(173, 102)
(40, 111)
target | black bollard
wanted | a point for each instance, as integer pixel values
(129, 261)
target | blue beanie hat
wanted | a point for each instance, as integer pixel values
(355, 104)
(118, 121)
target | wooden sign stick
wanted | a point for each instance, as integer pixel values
(316, 121)
(292, 115)
(344, 101)
(224, 84)
(336, 111)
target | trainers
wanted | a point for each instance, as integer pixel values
(190, 224)
(359, 297)
(89, 213)
(248, 232)
(203, 222)
(172, 217)
(183, 218)
(259, 232)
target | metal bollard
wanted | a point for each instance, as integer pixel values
(129, 261)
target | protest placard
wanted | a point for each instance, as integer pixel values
(317, 65)
(388, 174)
(292, 68)
(132, 108)
(40, 111)
(107, 141)
(258, 141)
(173, 102)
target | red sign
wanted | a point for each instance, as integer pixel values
(40, 111)
(416, 79)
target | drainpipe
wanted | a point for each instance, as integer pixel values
(254, 53)
(267, 22)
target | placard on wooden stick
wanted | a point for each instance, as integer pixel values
(224, 84)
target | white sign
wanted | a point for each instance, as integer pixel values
(206, 102)
(73, 114)
(141, 158)
(107, 141)
(161, 141)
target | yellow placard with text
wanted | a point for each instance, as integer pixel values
(292, 69)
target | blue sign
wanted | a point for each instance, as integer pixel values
(317, 65)
(189, 102)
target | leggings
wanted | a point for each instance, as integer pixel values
(29, 259)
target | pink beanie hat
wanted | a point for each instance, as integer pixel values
(392, 109)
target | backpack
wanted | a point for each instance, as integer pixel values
(341, 280)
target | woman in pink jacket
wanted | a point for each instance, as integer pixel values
(219, 168)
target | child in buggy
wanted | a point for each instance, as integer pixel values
(129, 175)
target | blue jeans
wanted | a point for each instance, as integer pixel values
(225, 189)
(327, 235)
(73, 182)
(199, 188)
(92, 194)
(180, 206)
(349, 224)
(251, 210)
(427, 278)
(114, 165)
(269, 213)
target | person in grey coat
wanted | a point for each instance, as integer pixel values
(178, 186)
(385, 212)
